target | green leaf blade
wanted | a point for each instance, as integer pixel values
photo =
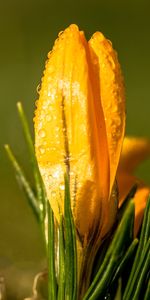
(36, 172)
(144, 236)
(32, 200)
(70, 246)
(61, 285)
(113, 255)
(52, 284)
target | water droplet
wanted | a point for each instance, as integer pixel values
(107, 297)
(62, 187)
(48, 118)
(49, 55)
(115, 109)
(38, 88)
(41, 207)
(60, 33)
(57, 129)
(40, 125)
(41, 149)
(53, 194)
(50, 177)
(56, 174)
(42, 133)
(36, 102)
(71, 173)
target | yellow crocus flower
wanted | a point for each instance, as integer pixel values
(134, 151)
(79, 128)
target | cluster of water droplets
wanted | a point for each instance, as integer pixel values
(114, 109)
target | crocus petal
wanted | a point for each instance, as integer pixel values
(140, 200)
(125, 183)
(112, 97)
(134, 151)
(99, 147)
(69, 130)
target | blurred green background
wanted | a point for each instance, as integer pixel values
(28, 30)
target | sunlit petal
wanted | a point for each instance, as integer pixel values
(140, 200)
(112, 97)
(135, 150)
(70, 130)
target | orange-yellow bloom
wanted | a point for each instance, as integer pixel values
(134, 151)
(79, 127)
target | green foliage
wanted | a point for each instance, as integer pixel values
(70, 247)
(113, 256)
(141, 263)
(52, 284)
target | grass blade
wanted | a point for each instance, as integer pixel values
(61, 286)
(126, 201)
(75, 294)
(125, 259)
(36, 173)
(70, 246)
(140, 274)
(147, 294)
(145, 267)
(113, 255)
(52, 285)
(145, 233)
(24, 182)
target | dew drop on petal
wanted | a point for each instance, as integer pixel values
(60, 33)
(36, 102)
(38, 88)
(57, 129)
(50, 177)
(53, 194)
(42, 133)
(62, 187)
(48, 118)
(41, 149)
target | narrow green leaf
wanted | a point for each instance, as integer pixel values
(23, 182)
(113, 255)
(140, 274)
(125, 259)
(52, 285)
(147, 294)
(126, 201)
(75, 293)
(118, 295)
(70, 246)
(61, 285)
(145, 267)
(145, 233)
(36, 173)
